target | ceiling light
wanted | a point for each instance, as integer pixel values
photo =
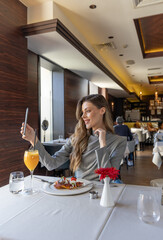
(156, 79)
(156, 68)
(156, 95)
(141, 95)
(112, 106)
(92, 6)
(130, 62)
(125, 45)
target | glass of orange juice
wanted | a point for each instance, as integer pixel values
(31, 159)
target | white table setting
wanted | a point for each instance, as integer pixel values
(47, 215)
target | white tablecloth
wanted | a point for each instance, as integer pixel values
(43, 216)
(55, 142)
(146, 132)
(141, 133)
(158, 154)
(124, 222)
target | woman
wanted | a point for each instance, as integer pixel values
(150, 127)
(137, 124)
(92, 145)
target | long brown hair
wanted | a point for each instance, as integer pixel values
(81, 134)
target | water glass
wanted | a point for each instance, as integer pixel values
(60, 137)
(148, 205)
(16, 182)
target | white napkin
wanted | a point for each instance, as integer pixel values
(157, 159)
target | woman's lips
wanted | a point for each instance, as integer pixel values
(86, 121)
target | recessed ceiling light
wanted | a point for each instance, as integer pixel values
(125, 45)
(92, 6)
(110, 37)
(121, 55)
(130, 62)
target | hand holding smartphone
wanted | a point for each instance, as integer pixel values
(25, 122)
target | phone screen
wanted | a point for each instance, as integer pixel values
(25, 122)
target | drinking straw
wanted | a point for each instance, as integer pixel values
(35, 139)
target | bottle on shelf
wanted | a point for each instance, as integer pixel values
(128, 118)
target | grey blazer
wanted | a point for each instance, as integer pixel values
(92, 158)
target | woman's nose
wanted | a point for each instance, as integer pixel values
(83, 115)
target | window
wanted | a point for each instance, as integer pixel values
(51, 101)
(46, 125)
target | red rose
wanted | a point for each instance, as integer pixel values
(107, 172)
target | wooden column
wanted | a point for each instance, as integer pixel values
(16, 92)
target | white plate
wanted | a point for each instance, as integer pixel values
(50, 189)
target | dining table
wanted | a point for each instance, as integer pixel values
(47, 215)
(54, 145)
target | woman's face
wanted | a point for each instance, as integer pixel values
(93, 116)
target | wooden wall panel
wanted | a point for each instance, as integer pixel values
(32, 91)
(15, 89)
(118, 108)
(75, 87)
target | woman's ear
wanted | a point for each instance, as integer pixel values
(102, 110)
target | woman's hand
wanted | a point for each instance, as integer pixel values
(29, 134)
(102, 136)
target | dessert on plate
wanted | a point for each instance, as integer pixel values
(64, 183)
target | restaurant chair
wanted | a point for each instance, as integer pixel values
(141, 137)
(136, 140)
(130, 149)
(63, 170)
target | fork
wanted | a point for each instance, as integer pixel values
(43, 180)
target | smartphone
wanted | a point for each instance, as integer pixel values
(25, 122)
